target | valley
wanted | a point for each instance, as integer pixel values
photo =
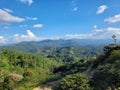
(50, 67)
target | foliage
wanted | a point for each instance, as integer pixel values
(34, 69)
(67, 63)
(10, 81)
(107, 73)
(114, 38)
(75, 82)
(61, 54)
(106, 77)
(72, 68)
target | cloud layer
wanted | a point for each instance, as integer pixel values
(106, 33)
(97, 34)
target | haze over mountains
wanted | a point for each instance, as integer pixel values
(63, 43)
(40, 47)
(66, 42)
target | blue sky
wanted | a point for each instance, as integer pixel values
(35, 20)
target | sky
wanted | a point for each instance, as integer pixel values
(36, 20)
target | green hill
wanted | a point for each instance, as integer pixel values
(23, 71)
(103, 72)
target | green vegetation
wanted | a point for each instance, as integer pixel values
(75, 82)
(20, 70)
(60, 54)
(103, 72)
(63, 65)
(69, 54)
(107, 73)
(72, 68)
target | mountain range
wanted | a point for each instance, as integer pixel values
(33, 46)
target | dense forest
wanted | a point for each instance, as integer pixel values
(63, 66)
(61, 54)
(103, 73)
(23, 71)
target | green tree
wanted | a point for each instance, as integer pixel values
(114, 38)
(75, 82)
(105, 77)
(10, 81)
(107, 72)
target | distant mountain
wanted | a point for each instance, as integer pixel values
(70, 42)
(32, 46)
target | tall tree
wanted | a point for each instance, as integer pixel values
(114, 38)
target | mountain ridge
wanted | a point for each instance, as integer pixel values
(66, 42)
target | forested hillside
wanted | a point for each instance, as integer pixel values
(103, 73)
(23, 71)
(63, 53)
(68, 71)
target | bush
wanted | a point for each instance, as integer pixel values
(75, 82)
(10, 81)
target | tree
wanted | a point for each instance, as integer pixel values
(75, 82)
(107, 73)
(10, 81)
(114, 38)
(105, 77)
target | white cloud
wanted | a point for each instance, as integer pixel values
(101, 9)
(113, 19)
(95, 26)
(2, 39)
(5, 17)
(77, 36)
(30, 36)
(23, 26)
(38, 25)
(97, 34)
(15, 38)
(27, 1)
(74, 5)
(75, 9)
(5, 27)
(8, 10)
(29, 18)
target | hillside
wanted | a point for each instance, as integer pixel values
(23, 71)
(58, 49)
(65, 42)
(103, 72)
(26, 71)
(32, 46)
